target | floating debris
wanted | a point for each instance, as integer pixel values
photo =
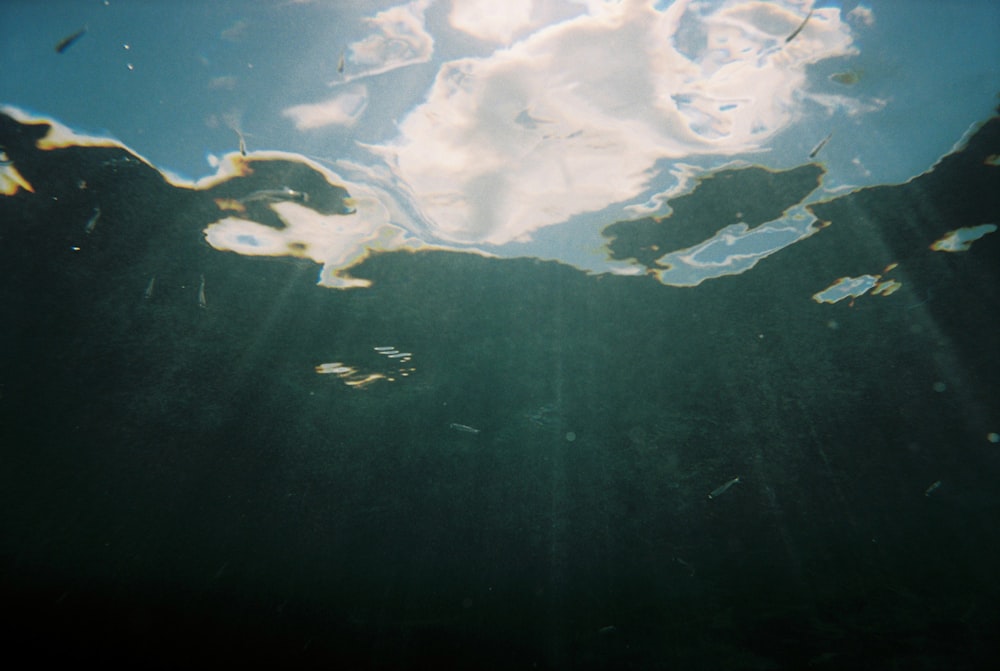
(202, 302)
(92, 222)
(822, 143)
(464, 428)
(149, 288)
(723, 488)
(243, 143)
(66, 42)
(849, 78)
(798, 30)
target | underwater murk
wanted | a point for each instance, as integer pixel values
(501, 335)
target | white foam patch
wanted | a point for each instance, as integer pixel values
(338, 242)
(574, 117)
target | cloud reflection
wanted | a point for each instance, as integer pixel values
(342, 110)
(490, 20)
(398, 38)
(575, 117)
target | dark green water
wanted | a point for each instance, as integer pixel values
(179, 484)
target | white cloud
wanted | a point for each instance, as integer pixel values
(862, 15)
(491, 20)
(341, 110)
(575, 117)
(399, 38)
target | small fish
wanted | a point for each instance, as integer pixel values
(149, 288)
(822, 143)
(799, 29)
(384, 349)
(933, 487)
(464, 428)
(202, 303)
(92, 222)
(341, 64)
(66, 42)
(275, 196)
(723, 488)
(399, 355)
